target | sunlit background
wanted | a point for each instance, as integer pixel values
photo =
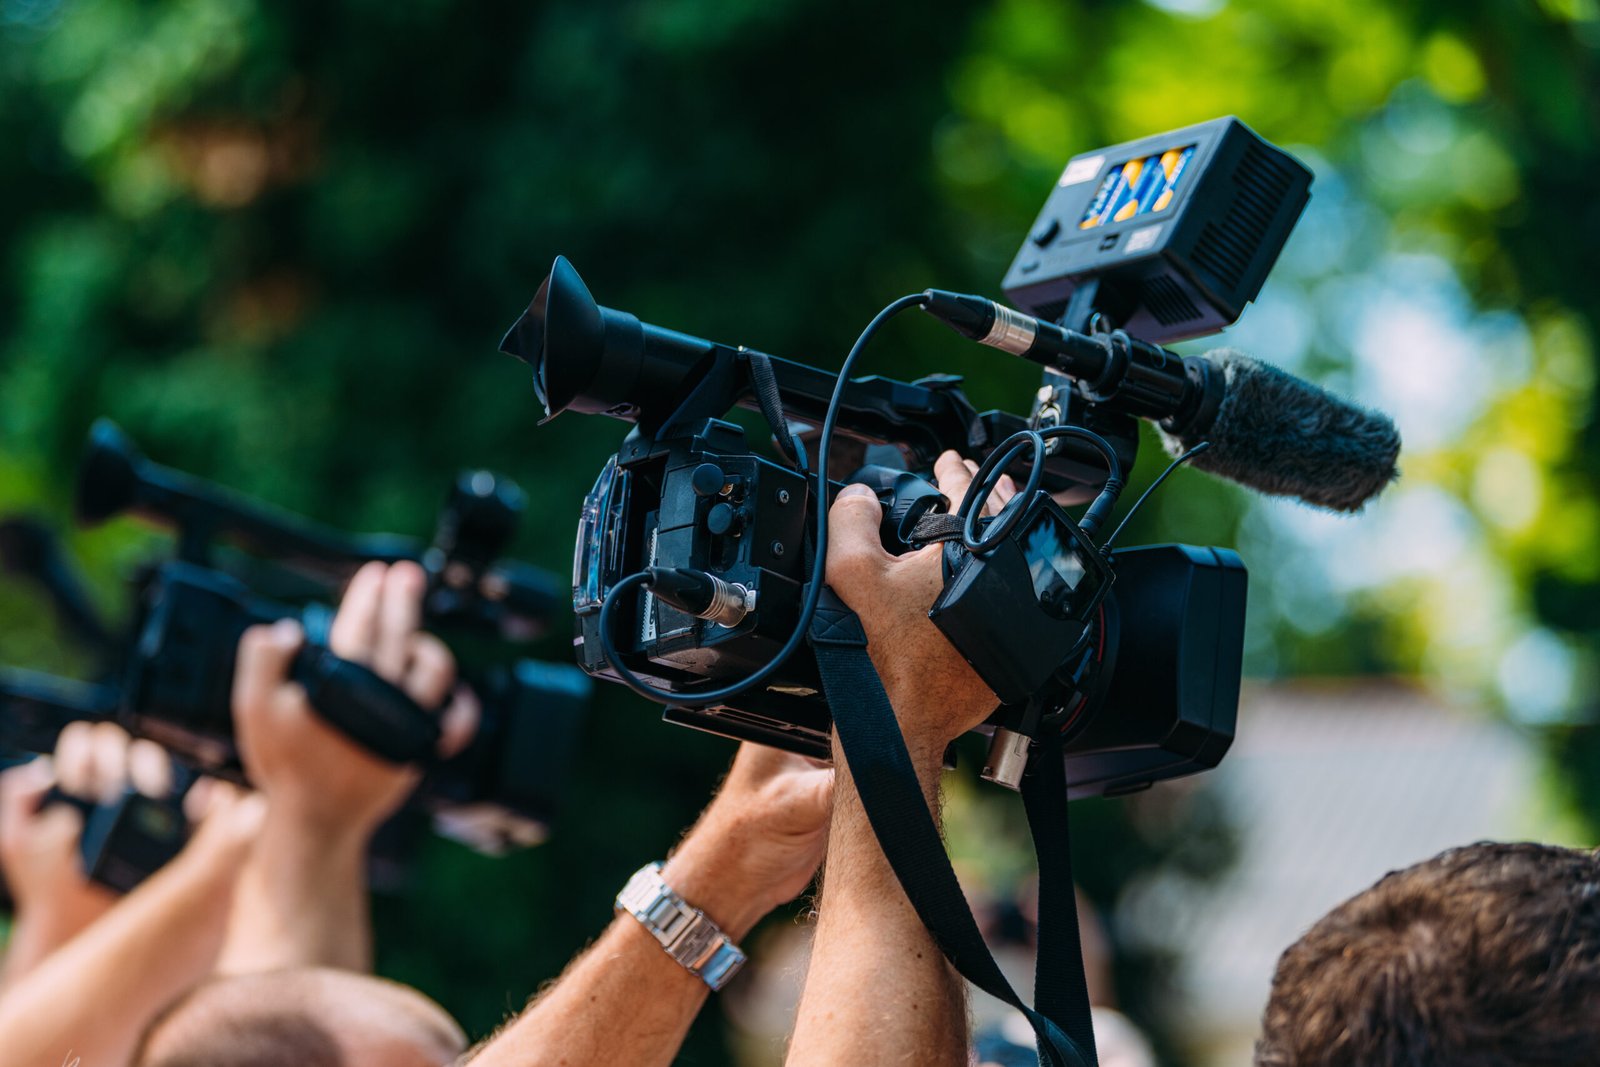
(278, 241)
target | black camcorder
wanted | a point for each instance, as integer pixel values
(123, 841)
(502, 791)
(171, 678)
(128, 838)
(695, 562)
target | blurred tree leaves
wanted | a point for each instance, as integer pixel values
(278, 242)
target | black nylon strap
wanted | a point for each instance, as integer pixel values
(1060, 988)
(881, 767)
(771, 403)
(937, 526)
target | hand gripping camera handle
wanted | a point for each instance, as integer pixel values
(906, 499)
(370, 711)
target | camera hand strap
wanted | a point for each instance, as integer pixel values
(880, 766)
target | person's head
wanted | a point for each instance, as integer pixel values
(302, 1018)
(1484, 955)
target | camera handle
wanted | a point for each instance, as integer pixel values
(374, 713)
(879, 763)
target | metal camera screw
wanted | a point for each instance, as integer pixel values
(783, 496)
(777, 548)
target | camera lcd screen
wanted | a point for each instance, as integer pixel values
(1140, 186)
(1056, 565)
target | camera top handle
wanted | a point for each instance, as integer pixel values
(469, 580)
(116, 477)
(598, 360)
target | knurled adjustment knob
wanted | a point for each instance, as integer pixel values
(707, 480)
(721, 518)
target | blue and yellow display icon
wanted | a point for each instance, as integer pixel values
(1138, 187)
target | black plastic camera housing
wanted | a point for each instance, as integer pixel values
(1173, 234)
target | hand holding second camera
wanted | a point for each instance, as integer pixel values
(303, 900)
(307, 768)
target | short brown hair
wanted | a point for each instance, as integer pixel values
(302, 1017)
(1484, 956)
(207, 1029)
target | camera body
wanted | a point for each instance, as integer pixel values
(704, 500)
(661, 507)
(686, 490)
(501, 792)
(1133, 655)
(124, 840)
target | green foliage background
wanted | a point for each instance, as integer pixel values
(278, 242)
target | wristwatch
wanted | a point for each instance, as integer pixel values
(688, 936)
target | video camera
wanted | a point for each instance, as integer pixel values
(502, 791)
(123, 841)
(693, 563)
(171, 678)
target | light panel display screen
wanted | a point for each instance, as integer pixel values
(1140, 186)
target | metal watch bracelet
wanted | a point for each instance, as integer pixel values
(690, 938)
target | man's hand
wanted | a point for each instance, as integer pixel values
(892, 595)
(309, 770)
(303, 896)
(759, 843)
(39, 848)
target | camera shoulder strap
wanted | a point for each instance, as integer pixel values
(880, 766)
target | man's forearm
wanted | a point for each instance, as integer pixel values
(625, 1000)
(92, 999)
(622, 1001)
(878, 989)
(302, 902)
(32, 941)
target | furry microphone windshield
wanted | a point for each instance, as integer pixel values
(1278, 434)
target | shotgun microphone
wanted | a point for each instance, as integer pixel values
(1282, 435)
(1268, 430)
